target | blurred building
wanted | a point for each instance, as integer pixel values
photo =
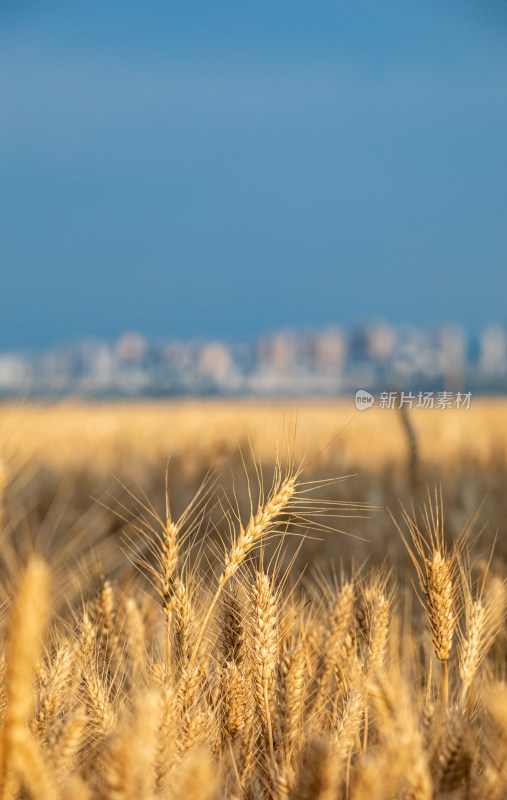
(453, 347)
(215, 361)
(380, 341)
(279, 351)
(131, 347)
(330, 350)
(493, 351)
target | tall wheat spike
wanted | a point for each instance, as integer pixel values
(437, 573)
(21, 763)
(260, 525)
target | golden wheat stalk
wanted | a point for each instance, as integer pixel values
(436, 568)
(260, 526)
(264, 636)
(21, 763)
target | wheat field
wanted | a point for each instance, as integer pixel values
(249, 600)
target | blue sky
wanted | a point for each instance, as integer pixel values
(225, 168)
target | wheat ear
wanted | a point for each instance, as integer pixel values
(484, 616)
(19, 755)
(334, 637)
(127, 777)
(290, 695)
(260, 525)
(436, 569)
(264, 652)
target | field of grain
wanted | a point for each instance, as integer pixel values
(252, 600)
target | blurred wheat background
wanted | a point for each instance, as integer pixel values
(249, 600)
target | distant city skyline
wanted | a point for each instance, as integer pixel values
(326, 362)
(222, 169)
